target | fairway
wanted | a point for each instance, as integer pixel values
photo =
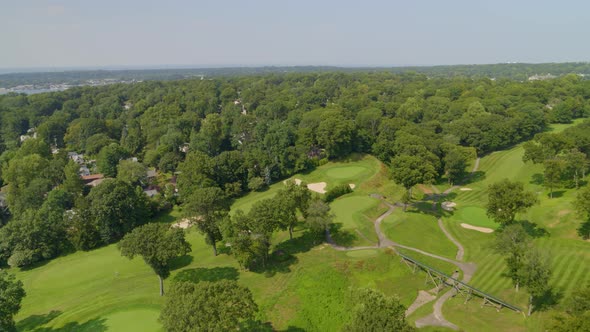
(144, 320)
(354, 227)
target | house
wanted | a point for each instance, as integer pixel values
(95, 183)
(78, 158)
(151, 174)
(184, 148)
(84, 171)
(150, 192)
(87, 179)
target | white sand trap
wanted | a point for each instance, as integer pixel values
(466, 189)
(448, 206)
(184, 224)
(319, 187)
(352, 185)
(479, 229)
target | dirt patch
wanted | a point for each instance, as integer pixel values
(563, 213)
(466, 189)
(425, 189)
(423, 298)
(318, 187)
(297, 181)
(352, 185)
(184, 224)
(448, 206)
(476, 228)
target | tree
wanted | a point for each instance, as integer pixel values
(376, 312)
(513, 242)
(535, 274)
(582, 205)
(247, 247)
(575, 165)
(11, 295)
(455, 163)
(116, 208)
(206, 208)
(132, 172)
(289, 201)
(553, 173)
(506, 198)
(319, 218)
(28, 182)
(109, 158)
(207, 306)
(157, 244)
(410, 170)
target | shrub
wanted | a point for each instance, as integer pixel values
(256, 183)
(336, 192)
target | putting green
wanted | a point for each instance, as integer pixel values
(476, 216)
(145, 320)
(345, 172)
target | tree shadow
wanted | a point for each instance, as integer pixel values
(537, 179)
(557, 194)
(204, 274)
(342, 237)
(475, 177)
(180, 262)
(293, 329)
(533, 229)
(549, 299)
(36, 264)
(34, 321)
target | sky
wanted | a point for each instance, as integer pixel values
(222, 33)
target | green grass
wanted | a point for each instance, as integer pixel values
(354, 227)
(476, 216)
(419, 230)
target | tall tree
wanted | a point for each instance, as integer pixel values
(157, 244)
(582, 204)
(376, 312)
(553, 173)
(506, 198)
(410, 170)
(513, 242)
(11, 295)
(576, 164)
(206, 208)
(455, 163)
(207, 306)
(109, 158)
(319, 218)
(535, 274)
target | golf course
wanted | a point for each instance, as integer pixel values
(310, 288)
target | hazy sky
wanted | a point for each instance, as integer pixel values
(46, 33)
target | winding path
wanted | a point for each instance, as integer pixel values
(468, 269)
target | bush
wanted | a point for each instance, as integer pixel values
(336, 192)
(21, 258)
(256, 183)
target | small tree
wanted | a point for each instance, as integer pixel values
(11, 295)
(554, 169)
(506, 198)
(207, 306)
(158, 244)
(375, 313)
(206, 208)
(319, 218)
(132, 172)
(513, 242)
(535, 274)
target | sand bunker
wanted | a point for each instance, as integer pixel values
(184, 224)
(479, 229)
(448, 206)
(466, 189)
(319, 187)
(352, 185)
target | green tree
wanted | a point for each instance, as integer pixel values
(318, 217)
(513, 242)
(575, 166)
(376, 312)
(506, 198)
(11, 295)
(109, 158)
(535, 274)
(207, 306)
(116, 208)
(410, 170)
(158, 245)
(206, 208)
(553, 173)
(28, 182)
(582, 204)
(455, 163)
(132, 172)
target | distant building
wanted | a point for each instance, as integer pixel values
(78, 158)
(84, 171)
(151, 174)
(150, 192)
(95, 183)
(184, 148)
(87, 179)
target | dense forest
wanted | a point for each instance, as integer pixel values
(225, 136)
(515, 71)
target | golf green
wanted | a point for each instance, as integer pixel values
(345, 172)
(475, 216)
(145, 320)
